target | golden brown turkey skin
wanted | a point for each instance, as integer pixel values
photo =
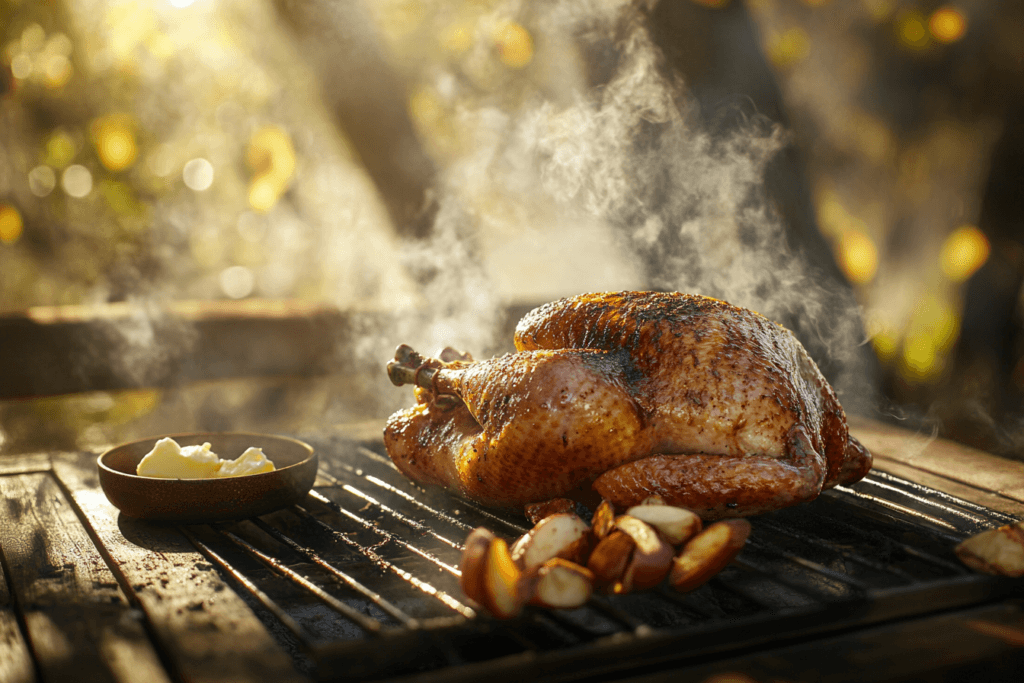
(709, 405)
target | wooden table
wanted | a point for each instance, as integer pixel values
(105, 598)
(88, 595)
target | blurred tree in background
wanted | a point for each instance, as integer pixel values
(381, 153)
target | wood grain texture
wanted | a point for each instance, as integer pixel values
(937, 461)
(209, 633)
(15, 659)
(29, 462)
(80, 625)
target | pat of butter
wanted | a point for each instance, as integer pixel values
(168, 460)
(251, 462)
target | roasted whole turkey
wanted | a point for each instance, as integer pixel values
(625, 395)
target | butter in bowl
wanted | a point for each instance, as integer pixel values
(182, 478)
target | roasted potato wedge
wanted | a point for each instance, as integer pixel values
(996, 551)
(473, 564)
(676, 525)
(610, 557)
(559, 535)
(708, 553)
(651, 558)
(490, 577)
(562, 584)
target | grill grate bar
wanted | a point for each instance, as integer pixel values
(376, 457)
(387, 535)
(902, 509)
(410, 499)
(952, 510)
(262, 598)
(423, 586)
(905, 547)
(982, 516)
(750, 565)
(368, 624)
(562, 621)
(601, 604)
(682, 601)
(394, 490)
(484, 512)
(824, 545)
(373, 596)
(938, 561)
(810, 565)
(418, 526)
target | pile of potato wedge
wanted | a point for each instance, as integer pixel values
(563, 560)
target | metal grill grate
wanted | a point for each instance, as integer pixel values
(361, 581)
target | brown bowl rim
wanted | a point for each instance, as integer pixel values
(191, 435)
(290, 487)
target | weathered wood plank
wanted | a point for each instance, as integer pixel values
(22, 464)
(208, 632)
(46, 351)
(79, 624)
(943, 458)
(15, 659)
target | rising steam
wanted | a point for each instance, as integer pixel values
(619, 186)
(573, 184)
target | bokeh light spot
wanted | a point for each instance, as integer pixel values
(886, 345)
(964, 251)
(271, 157)
(160, 161)
(262, 195)
(237, 282)
(76, 180)
(947, 24)
(515, 46)
(456, 39)
(32, 38)
(114, 138)
(858, 256)
(42, 180)
(57, 71)
(59, 44)
(119, 197)
(11, 225)
(912, 31)
(920, 361)
(789, 47)
(60, 149)
(933, 328)
(21, 66)
(198, 174)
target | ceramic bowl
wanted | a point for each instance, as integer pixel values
(190, 501)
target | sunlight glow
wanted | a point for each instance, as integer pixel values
(963, 252)
(858, 256)
(11, 225)
(947, 24)
(515, 46)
